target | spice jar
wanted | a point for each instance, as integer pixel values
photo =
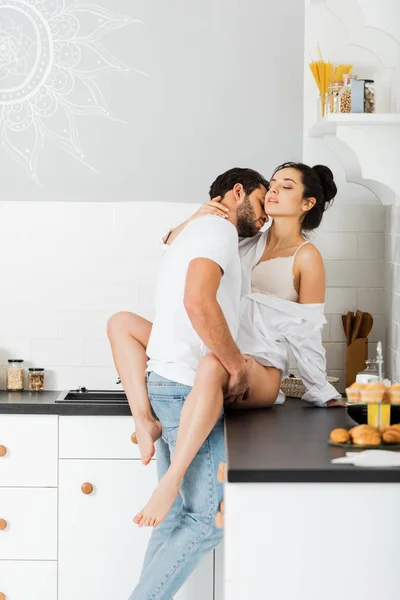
(335, 85)
(15, 375)
(369, 96)
(36, 379)
(345, 95)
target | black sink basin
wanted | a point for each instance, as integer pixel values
(359, 414)
(95, 396)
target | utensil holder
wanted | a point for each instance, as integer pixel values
(356, 355)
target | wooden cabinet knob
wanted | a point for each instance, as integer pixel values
(2, 596)
(3, 524)
(134, 438)
(3, 452)
(87, 488)
(221, 476)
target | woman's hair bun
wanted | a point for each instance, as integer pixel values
(327, 183)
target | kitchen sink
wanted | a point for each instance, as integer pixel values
(85, 396)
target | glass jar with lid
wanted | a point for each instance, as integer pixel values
(345, 95)
(370, 372)
(36, 379)
(15, 375)
(369, 96)
(335, 85)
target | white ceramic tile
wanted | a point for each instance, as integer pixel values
(354, 273)
(56, 352)
(15, 348)
(354, 218)
(28, 323)
(337, 246)
(394, 335)
(98, 353)
(339, 300)
(379, 330)
(371, 246)
(94, 378)
(336, 329)
(335, 354)
(88, 324)
(371, 300)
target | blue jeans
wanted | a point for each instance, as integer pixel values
(188, 532)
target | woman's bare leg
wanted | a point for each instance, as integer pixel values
(199, 414)
(129, 335)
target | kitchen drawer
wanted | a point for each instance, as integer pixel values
(31, 524)
(20, 580)
(97, 437)
(30, 443)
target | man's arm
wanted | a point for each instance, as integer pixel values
(212, 207)
(200, 300)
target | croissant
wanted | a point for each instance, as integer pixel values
(368, 438)
(391, 436)
(340, 436)
(358, 429)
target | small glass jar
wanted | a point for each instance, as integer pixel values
(36, 379)
(345, 95)
(370, 372)
(369, 96)
(335, 85)
(15, 375)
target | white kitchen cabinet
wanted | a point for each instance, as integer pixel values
(30, 450)
(97, 437)
(219, 572)
(101, 550)
(28, 580)
(30, 515)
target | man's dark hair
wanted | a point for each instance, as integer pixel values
(250, 180)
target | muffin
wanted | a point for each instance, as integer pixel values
(373, 393)
(393, 393)
(353, 392)
(340, 436)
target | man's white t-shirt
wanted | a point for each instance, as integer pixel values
(174, 348)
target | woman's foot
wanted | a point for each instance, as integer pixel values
(147, 432)
(159, 504)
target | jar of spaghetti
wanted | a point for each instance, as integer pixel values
(15, 375)
(36, 379)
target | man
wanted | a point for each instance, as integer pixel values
(197, 310)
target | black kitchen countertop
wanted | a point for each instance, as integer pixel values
(44, 403)
(287, 443)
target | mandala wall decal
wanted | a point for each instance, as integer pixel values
(51, 64)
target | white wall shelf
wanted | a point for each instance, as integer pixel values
(372, 145)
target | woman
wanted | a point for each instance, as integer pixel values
(282, 302)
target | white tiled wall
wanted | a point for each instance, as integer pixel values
(392, 290)
(67, 267)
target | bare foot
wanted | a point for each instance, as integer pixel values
(147, 432)
(159, 504)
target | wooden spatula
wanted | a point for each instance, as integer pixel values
(348, 327)
(355, 334)
(366, 325)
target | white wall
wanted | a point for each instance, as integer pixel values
(160, 106)
(392, 290)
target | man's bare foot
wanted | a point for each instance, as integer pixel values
(159, 504)
(147, 432)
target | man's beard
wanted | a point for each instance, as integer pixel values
(246, 219)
